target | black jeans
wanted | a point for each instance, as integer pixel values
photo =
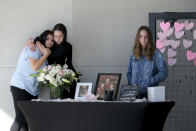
(20, 123)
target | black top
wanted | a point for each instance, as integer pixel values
(59, 53)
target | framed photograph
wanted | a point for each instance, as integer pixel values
(107, 85)
(128, 92)
(82, 89)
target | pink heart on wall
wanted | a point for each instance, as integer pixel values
(167, 42)
(175, 44)
(189, 55)
(171, 52)
(171, 61)
(164, 26)
(169, 32)
(194, 34)
(162, 50)
(195, 61)
(161, 35)
(188, 25)
(179, 34)
(159, 44)
(187, 43)
(178, 26)
(194, 54)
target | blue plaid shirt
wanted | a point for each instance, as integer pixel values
(146, 73)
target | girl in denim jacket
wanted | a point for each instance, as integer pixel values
(146, 67)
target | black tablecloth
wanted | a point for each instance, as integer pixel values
(95, 116)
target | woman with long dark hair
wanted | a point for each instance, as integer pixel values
(146, 66)
(61, 53)
(24, 86)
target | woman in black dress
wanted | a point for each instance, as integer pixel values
(61, 53)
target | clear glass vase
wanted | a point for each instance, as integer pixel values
(56, 92)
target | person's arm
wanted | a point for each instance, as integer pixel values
(37, 63)
(40, 47)
(162, 70)
(30, 44)
(69, 60)
(69, 56)
(129, 73)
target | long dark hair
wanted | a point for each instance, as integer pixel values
(149, 49)
(60, 27)
(43, 37)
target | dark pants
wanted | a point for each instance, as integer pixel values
(20, 123)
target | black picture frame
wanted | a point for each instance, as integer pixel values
(107, 85)
(128, 92)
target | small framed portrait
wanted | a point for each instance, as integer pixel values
(128, 92)
(82, 89)
(107, 85)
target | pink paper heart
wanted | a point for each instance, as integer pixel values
(175, 44)
(187, 43)
(167, 42)
(194, 54)
(171, 61)
(169, 32)
(195, 61)
(194, 34)
(171, 52)
(164, 26)
(188, 25)
(162, 50)
(178, 26)
(161, 35)
(189, 55)
(159, 44)
(179, 34)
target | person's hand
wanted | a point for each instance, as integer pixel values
(30, 44)
(47, 51)
(40, 47)
(100, 92)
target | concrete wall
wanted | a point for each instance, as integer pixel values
(101, 32)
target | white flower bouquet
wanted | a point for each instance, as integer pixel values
(56, 78)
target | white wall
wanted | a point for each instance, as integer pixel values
(20, 20)
(104, 31)
(101, 32)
